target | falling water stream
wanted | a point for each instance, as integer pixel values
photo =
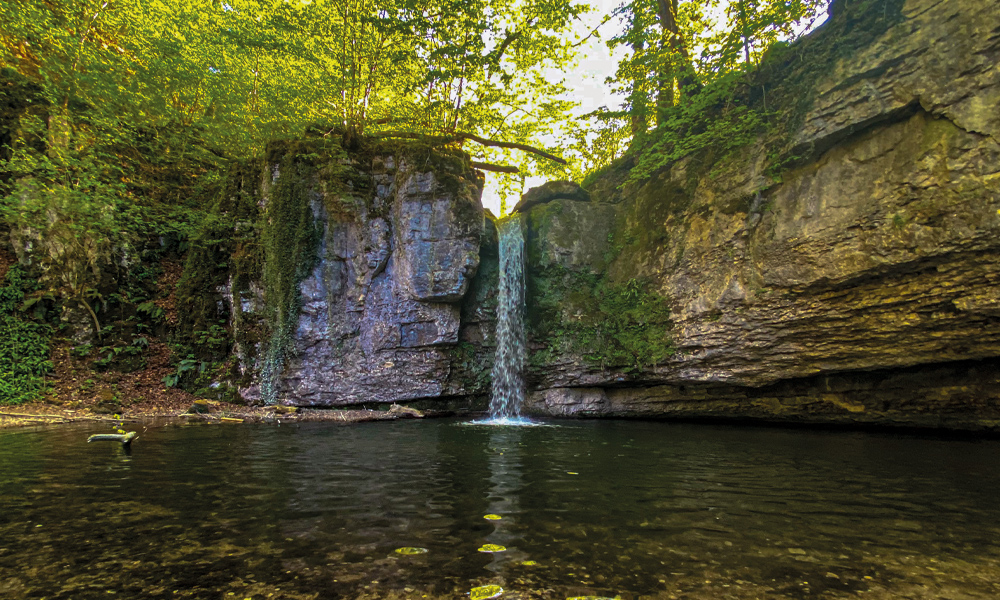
(508, 366)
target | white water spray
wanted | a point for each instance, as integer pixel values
(508, 366)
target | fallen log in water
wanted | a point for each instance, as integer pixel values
(30, 416)
(125, 439)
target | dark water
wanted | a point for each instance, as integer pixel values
(599, 508)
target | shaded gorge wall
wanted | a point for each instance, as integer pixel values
(842, 270)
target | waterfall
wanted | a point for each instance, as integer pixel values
(508, 366)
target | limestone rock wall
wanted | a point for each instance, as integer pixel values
(381, 316)
(877, 252)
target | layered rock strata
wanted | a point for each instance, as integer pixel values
(876, 252)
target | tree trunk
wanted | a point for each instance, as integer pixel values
(744, 31)
(676, 73)
(637, 99)
(113, 437)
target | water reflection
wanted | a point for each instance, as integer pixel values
(504, 451)
(600, 508)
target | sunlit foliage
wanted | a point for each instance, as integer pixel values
(248, 70)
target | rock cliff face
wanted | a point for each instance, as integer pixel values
(860, 285)
(856, 282)
(391, 308)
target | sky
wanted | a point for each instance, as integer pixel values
(595, 63)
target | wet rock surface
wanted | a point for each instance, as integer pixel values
(437, 234)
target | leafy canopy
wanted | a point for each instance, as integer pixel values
(141, 103)
(250, 70)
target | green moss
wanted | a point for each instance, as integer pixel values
(290, 236)
(622, 239)
(622, 325)
(206, 270)
(470, 367)
(226, 248)
(569, 232)
(449, 164)
(543, 221)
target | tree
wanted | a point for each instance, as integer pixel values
(245, 71)
(685, 61)
(659, 69)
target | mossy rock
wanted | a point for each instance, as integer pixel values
(200, 407)
(107, 402)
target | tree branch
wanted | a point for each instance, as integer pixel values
(456, 137)
(494, 168)
(593, 31)
(508, 40)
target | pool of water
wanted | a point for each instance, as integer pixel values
(598, 509)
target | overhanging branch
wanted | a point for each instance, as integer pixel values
(494, 168)
(457, 137)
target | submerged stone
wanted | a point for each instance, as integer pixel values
(485, 592)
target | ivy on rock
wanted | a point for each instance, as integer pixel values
(24, 342)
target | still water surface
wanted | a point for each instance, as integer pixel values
(600, 509)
